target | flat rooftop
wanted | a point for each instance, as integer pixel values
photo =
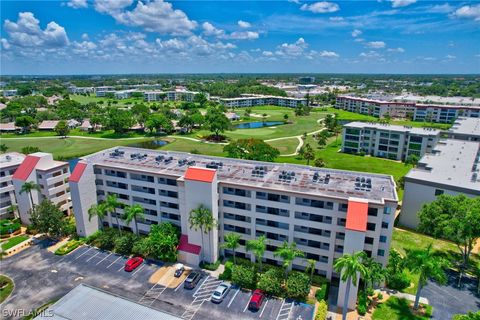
(248, 96)
(11, 159)
(453, 163)
(424, 102)
(267, 175)
(466, 126)
(85, 302)
(390, 127)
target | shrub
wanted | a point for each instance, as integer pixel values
(140, 248)
(362, 304)
(322, 292)
(361, 309)
(210, 266)
(244, 276)
(91, 238)
(380, 296)
(8, 226)
(124, 244)
(68, 247)
(227, 272)
(271, 282)
(105, 240)
(322, 311)
(318, 280)
(298, 285)
(398, 281)
(370, 291)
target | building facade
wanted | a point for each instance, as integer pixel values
(52, 178)
(465, 128)
(388, 141)
(315, 208)
(452, 168)
(399, 109)
(174, 95)
(260, 100)
(9, 163)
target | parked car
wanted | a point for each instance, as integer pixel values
(133, 263)
(256, 300)
(220, 292)
(192, 280)
(179, 269)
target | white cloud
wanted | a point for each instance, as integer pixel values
(210, 30)
(328, 54)
(321, 7)
(398, 50)
(356, 33)
(371, 55)
(267, 53)
(77, 4)
(294, 1)
(292, 49)
(468, 12)
(402, 3)
(5, 44)
(440, 8)
(244, 24)
(242, 35)
(85, 36)
(376, 44)
(429, 58)
(26, 32)
(359, 40)
(153, 16)
(336, 19)
(450, 57)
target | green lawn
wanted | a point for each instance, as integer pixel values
(108, 134)
(67, 148)
(184, 145)
(12, 242)
(6, 285)
(398, 309)
(285, 146)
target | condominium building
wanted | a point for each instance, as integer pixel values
(452, 168)
(9, 162)
(388, 141)
(260, 100)
(175, 95)
(80, 90)
(465, 128)
(50, 175)
(325, 212)
(10, 93)
(380, 108)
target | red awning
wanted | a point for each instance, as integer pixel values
(77, 172)
(26, 168)
(357, 215)
(188, 247)
(200, 174)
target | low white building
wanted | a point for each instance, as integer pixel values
(465, 128)
(173, 95)
(9, 162)
(10, 93)
(261, 100)
(52, 178)
(452, 168)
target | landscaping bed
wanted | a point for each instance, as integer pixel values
(68, 247)
(399, 309)
(12, 242)
(6, 287)
(8, 227)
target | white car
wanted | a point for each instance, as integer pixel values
(220, 292)
(179, 269)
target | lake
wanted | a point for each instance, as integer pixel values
(258, 124)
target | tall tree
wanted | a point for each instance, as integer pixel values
(48, 218)
(232, 242)
(258, 247)
(350, 266)
(216, 121)
(28, 187)
(99, 211)
(134, 213)
(308, 153)
(450, 217)
(25, 122)
(251, 149)
(428, 265)
(202, 218)
(375, 272)
(3, 148)
(311, 264)
(111, 205)
(288, 252)
(62, 128)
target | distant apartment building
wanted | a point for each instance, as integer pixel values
(9, 163)
(261, 100)
(174, 95)
(124, 94)
(80, 90)
(325, 212)
(398, 109)
(10, 93)
(388, 141)
(104, 90)
(52, 178)
(465, 128)
(452, 168)
(306, 80)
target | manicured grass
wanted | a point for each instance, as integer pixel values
(347, 115)
(184, 145)
(399, 309)
(67, 148)
(12, 242)
(108, 134)
(6, 287)
(285, 146)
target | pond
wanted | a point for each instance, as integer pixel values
(150, 144)
(258, 124)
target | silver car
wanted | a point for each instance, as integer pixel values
(220, 292)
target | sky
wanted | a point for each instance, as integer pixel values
(291, 36)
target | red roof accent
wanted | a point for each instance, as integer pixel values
(26, 168)
(357, 215)
(200, 174)
(77, 172)
(183, 245)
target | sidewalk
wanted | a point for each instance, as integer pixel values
(402, 295)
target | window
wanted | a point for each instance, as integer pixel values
(342, 207)
(368, 240)
(372, 212)
(385, 225)
(341, 222)
(383, 239)
(381, 252)
(439, 192)
(371, 226)
(387, 210)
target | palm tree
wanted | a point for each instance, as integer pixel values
(99, 211)
(258, 246)
(28, 187)
(429, 265)
(232, 242)
(288, 252)
(395, 262)
(201, 218)
(311, 264)
(133, 213)
(350, 265)
(111, 205)
(375, 272)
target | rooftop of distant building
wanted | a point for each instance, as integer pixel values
(275, 176)
(466, 126)
(11, 159)
(417, 100)
(391, 127)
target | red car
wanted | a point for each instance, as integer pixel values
(133, 263)
(256, 300)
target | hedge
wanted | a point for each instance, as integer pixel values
(298, 285)
(227, 272)
(322, 292)
(271, 281)
(210, 266)
(244, 277)
(68, 247)
(8, 226)
(322, 311)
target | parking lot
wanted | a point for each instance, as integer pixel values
(41, 276)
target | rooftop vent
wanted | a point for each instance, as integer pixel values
(117, 153)
(286, 176)
(159, 158)
(259, 171)
(214, 165)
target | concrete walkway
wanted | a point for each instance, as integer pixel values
(402, 295)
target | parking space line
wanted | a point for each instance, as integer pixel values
(248, 302)
(233, 298)
(201, 285)
(135, 272)
(181, 284)
(93, 256)
(105, 258)
(264, 306)
(84, 253)
(113, 262)
(121, 268)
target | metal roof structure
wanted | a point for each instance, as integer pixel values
(391, 127)
(466, 126)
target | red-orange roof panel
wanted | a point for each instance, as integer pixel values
(77, 172)
(200, 174)
(357, 215)
(185, 246)
(26, 168)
